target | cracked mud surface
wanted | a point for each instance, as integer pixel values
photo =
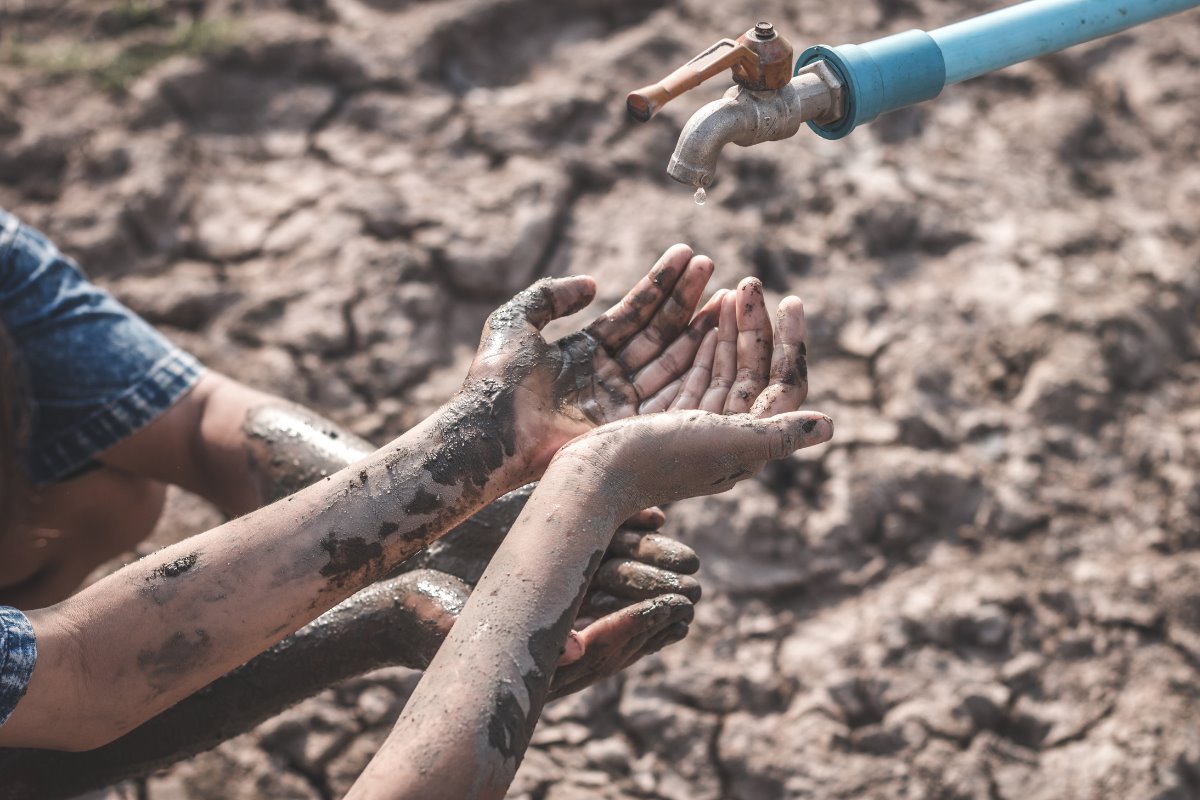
(987, 587)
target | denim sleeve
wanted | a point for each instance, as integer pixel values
(18, 652)
(94, 371)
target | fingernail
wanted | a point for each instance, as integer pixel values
(572, 649)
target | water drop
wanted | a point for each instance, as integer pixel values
(700, 196)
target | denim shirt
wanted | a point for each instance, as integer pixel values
(18, 652)
(94, 371)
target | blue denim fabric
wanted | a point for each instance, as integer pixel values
(18, 652)
(94, 370)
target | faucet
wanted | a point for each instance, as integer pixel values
(765, 105)
(836, 89)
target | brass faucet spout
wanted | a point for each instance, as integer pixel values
(747, 117)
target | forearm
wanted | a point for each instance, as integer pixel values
(255, 448)
(237, 447)
(466, 728)
(163, 627)
(400, 621)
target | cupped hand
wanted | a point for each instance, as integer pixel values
(733, 410)
(557, 390)
(640, 601)
(742, 366)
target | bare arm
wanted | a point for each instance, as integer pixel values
(398, 621)
(465, 729)
(143, 638)
(238, 447)
(467, 725)
(140, 640)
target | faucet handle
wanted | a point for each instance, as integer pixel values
(760, 59)
(716, 58)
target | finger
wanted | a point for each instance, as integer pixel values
(788, 388)
(597, 603)
(670, 319)
(753, 347)
(648, 519)
(637, 581)
(615, 327)
(673, 633)
(573, 649)
(549, 298)
(787, 433)
(656, 550)
(619, 639)
(695, 382)
(674, 361)
(725, 358)
(661, 401)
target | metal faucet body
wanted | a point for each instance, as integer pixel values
(836, 89)
(747, 117)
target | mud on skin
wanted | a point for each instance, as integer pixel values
(159, 583)
(316, 657)
(177, 656)
(509, 728)
(478, 429)
(349, 555)
(290, 448)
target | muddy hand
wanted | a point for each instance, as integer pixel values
(641, 599)
(618, 622)
(656, 458)
(735, 408)
(558, 390)
(638, 566)
(742, 366)
(613, 642)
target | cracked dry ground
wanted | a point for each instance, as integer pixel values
(987, 586)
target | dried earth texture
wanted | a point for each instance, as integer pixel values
(987, 587)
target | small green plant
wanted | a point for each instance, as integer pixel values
(131, 15)
(115, 68)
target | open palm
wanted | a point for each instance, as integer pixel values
(602, 373)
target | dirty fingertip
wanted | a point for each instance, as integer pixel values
(702, 263)
(677, 256)
(791, 305)
(675, 633)
(750, 284)
(581, 290)
(817, 428)
(647, 519)
(668, 636)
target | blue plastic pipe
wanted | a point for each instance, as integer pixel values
(907, 68)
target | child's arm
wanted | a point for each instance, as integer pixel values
(466, 727)
(143, 638)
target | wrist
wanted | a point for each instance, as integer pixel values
(459, 445)
(594, 475)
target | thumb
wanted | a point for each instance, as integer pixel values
(573, 649)
(787, 433)
(549, 298)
